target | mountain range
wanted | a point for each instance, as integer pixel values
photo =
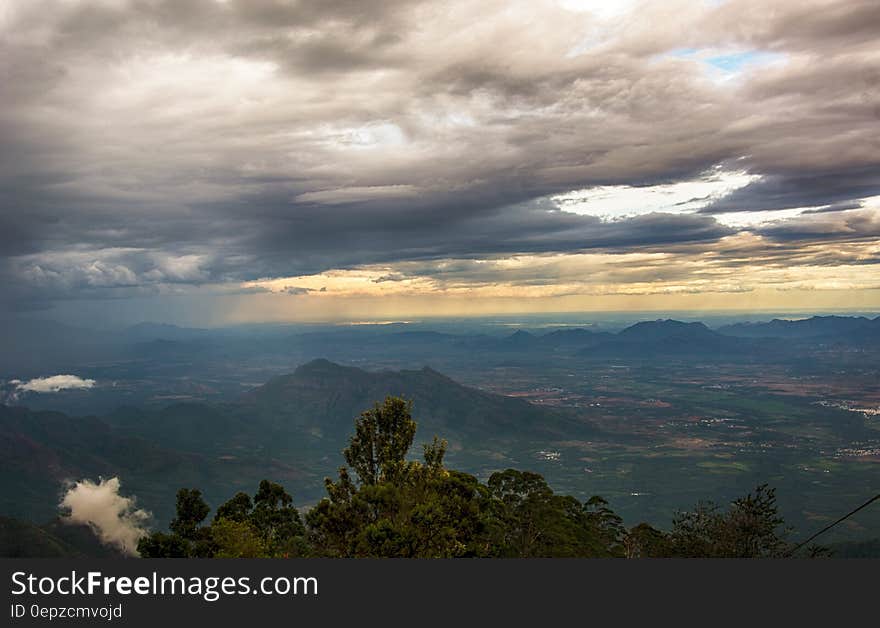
(813, 327)
(291, 429)
(33, 346)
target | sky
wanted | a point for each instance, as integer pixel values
(225, 161)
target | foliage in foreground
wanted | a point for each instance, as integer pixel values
(383, 505)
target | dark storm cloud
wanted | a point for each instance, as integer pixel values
(150, 144)
(852, 225)
(314, 242)
(831, 189)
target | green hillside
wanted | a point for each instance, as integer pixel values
(56, 539)
(289, 429)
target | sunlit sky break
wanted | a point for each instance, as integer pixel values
(266, 160)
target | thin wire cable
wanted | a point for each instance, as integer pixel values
(831, 525)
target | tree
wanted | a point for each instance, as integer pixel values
(751, 528)
(645, 541)
(529, 520)
(383, 436)
(397, 508)
(191, 511)
(161, 545)
(237, 539)
(393, 507)
(606, 525)
(236, 509)
(276, 520)
(188, 537)
(522, 513)
(270, 515)
(268, 525)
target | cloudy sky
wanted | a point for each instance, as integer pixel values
(244, 160)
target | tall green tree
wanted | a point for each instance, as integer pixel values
(383, 436)
(397, 507)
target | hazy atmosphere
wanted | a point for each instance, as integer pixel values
(437, 279)
(266, 160)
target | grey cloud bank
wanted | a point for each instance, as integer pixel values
(148, 147)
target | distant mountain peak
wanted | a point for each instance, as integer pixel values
(570, 331)
(318, 363)
(812, 327)
(327, 395)
(661, 328)
(324, 368)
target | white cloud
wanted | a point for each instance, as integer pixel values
(603, 9)
(618, 201)
(113, 267)
(54, 384)
(114, 518)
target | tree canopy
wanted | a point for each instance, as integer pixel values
(383, 504)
